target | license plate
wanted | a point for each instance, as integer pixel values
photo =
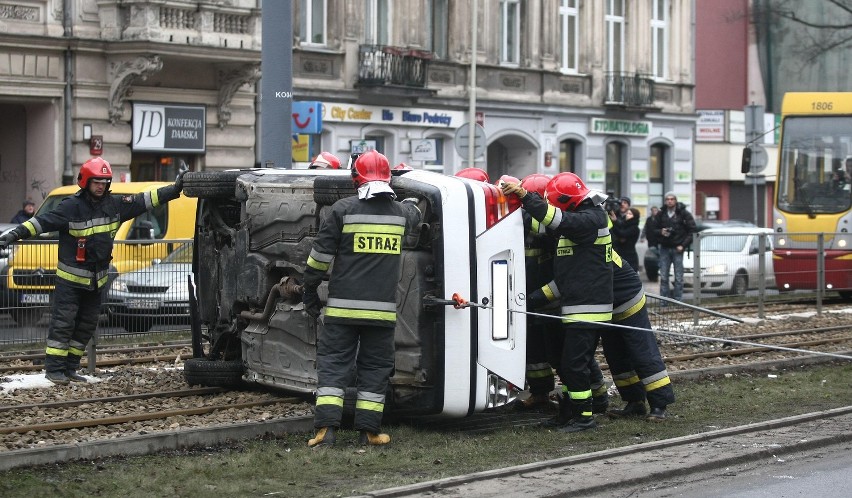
(35, 299)
(143, 304)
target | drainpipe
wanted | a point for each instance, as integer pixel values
(68, 32)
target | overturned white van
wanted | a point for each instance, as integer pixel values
(253, 234)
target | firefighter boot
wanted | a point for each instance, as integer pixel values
(54, 367)
(533, 402)
(564, 415)
(326, 436)
(583, 418)
(72, 364)
(374, 438)
(658, 414)
(631, 409)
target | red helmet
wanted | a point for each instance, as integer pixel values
(325, 160)
(536, 182)
(96, 167)
(478, 174)
(402, 167)
(565, 191)
(371, 166)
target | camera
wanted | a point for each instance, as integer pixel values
(611, 204)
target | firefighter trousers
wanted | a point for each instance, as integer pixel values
(578, 352)
(74, 318)
(370, 350)
(635, 362)
(539, 370)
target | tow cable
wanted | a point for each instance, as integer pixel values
(458, 302)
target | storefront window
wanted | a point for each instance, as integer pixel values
(656, 174)
(569, 156)
(156, 168)
(616, 162)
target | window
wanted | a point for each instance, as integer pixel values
(614, 20)
(312, 21)
(659, 38)
(378, 22)
(510, 31)
(656, 174)
(440, 20)
(616, 159)
(569, 156)
(568, 33)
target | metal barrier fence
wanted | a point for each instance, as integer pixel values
(147, 289)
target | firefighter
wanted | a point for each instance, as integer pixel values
(363, 236)
(477, 174)
(86, 222)
(325, 160)
(583, 274)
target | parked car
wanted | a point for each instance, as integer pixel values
(651, 261)
(730, 259)
(156, 294)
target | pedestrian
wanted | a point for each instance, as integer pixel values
(86, 222)
(583, 275)
(633, 357)
(625, 232)
(26, 212)
(648, 230)
(363, 236)
(674, 225)
(325, 160)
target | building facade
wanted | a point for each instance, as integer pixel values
(603, 88)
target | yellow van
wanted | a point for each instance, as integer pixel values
(31, 271)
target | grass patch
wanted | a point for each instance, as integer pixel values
(285, 466)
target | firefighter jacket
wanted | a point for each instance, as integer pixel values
(627, 289)
(539, 248)
(86, 229)
(364, 239)
(583, 263)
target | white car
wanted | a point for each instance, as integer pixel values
(730, 260)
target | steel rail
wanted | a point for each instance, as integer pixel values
(114, 399)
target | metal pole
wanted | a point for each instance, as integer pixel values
(820, 268)
(472, 123)
(276, 85)
(761, 275)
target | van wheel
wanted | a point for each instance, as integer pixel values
(846, 295)
(740, 285)
(213, 373)
(26, 317)
(210, 185)
(330, 189)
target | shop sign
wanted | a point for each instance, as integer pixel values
(710, 126)
(307, 117)
(621, 127)
(301, 148)
(405, 116)
(362, 146)
(424, 150)
(169, 128)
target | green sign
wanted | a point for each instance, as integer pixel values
(621, 127)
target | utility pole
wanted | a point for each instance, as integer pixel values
(472, 111)
(276, 84)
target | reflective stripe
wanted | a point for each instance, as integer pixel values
(56, 344)
(81, 276)
(368, 396)
(365, 314)
(146, 196)
(616, 258)
(587, 317)
(634, 379)
(321, 257)
(551, 291)
(76, 352)
(155, 198)
(369, 405)
(382, 219)
(92, 230)
(537, 228)
(73, 278)
(629, 308)
(580, 395)
(532, 252)
(656, 381)
(330, 400)
(587, 308)
(330, 391)
(553, 218)
(368, 228)
(364, 305)
(539, 370)
(656, 385)
(55, 351)
(599, 389)
(317, 265)
(32, 226)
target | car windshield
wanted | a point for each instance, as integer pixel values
(182, 254)
(723, 243)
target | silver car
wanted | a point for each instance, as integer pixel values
(730, 260)
(157, 294)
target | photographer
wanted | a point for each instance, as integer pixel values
(625, 229)
(675, 226)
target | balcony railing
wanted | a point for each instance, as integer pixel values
(632, 90)
(381, 65)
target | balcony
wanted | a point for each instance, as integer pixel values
(628, 90)
(395, 70)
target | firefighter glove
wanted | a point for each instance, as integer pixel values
(513, 188)
(312, 302)
(179, 179)
(536, 299)
(7, 238)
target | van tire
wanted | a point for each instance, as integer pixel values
(210, 185)
(330, 189)
(213, 373)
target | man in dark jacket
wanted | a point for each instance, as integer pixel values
(673, 226)
(25, 213)
(86, 222)
(363, 236)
